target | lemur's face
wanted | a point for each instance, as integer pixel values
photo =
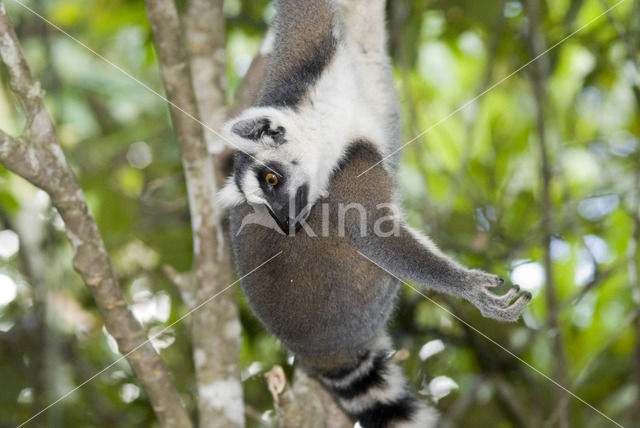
(273, 169)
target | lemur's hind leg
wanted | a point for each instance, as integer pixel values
(364, 21)
(366, 37)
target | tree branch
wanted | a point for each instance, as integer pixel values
(216, 329)
(538, 71)
(204, 34)
(217, 356)
(37, 157)
(305, 403)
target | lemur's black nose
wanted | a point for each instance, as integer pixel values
(289, 214)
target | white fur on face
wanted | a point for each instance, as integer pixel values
(229, 196)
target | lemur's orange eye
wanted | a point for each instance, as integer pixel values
(271, 179)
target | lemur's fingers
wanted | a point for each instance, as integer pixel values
(501, 312)
(506, 299)
(512, 313)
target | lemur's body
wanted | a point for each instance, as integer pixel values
(330, 317)
(326, 113)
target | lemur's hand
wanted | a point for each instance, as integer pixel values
(492, 305)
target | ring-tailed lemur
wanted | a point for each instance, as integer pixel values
(327, 111)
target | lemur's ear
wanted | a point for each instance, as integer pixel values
(256, 128)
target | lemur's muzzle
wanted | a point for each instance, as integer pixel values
(291, 212)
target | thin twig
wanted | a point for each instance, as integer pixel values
(535, 43)
(306, 404)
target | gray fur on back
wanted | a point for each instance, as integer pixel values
(307, 296)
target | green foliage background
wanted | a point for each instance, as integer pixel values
(472, 182)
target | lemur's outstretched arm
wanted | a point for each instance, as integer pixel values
(411, 256)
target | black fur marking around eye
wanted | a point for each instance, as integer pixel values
(241, 164)
(271, 167)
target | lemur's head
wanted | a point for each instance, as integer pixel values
(277, 165)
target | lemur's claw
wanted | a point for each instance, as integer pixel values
(507, 298)
(501, 308)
